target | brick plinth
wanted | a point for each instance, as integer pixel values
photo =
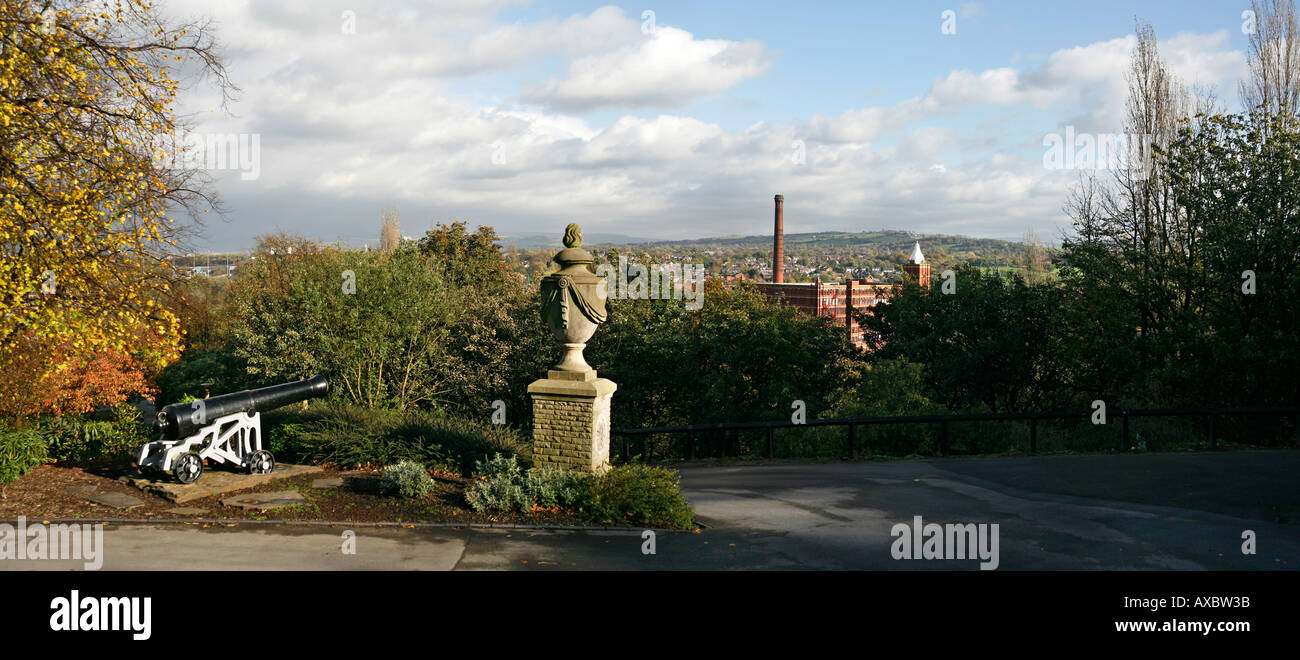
(571, 422)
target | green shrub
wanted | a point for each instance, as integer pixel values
(502, 485)
(80, 438)
(20, 451)
(457, 444)
(499, 486)
(355, 436)
(638, 496)
(549, 486)
(814, 442)
(342, 435)
(635, 496)
(406, 479)
(283, 437)
(225, 372)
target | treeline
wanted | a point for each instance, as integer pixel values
(1177, 288)
(439, 325)
(436, 325)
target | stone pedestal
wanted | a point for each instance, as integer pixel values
(571, 420)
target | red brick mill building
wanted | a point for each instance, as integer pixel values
(837, 299)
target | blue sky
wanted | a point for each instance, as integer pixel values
(529, 115)
(835, 56)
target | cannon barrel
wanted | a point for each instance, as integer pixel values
(180, 419)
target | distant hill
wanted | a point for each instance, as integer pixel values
(535, 241)
(889, 240)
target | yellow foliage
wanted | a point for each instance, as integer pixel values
(83, 204)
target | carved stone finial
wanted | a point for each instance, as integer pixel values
(573, 236)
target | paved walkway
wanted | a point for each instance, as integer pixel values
(1153, 511)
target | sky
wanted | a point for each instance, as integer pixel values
(675, 120)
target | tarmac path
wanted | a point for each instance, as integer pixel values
(1183, 511)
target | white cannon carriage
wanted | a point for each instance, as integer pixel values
(222, 429)
(233, 439)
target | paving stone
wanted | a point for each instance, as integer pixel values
(328, 482)
(187, 511)
(116, 500)
(265, 501)
(79, 490)
(215, 481)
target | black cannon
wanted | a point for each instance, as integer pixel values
(224, 429)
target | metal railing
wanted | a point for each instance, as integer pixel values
(691, 432)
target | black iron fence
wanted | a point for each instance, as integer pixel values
(632, 444)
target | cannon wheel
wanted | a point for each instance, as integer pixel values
(188, 468)
(261, 462)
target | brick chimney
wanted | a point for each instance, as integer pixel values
(778, 242)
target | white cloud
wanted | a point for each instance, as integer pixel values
(928, 140)
(863, 125)
(994, 86)
(667, 67)
(971, 10)
(1095, 73)
(603, 30)
(1204, 59)
(383, 116)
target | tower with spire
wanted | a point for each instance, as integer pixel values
(917, 267)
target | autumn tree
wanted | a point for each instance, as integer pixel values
(85, 89)
(390, 230)
(1134, 249)
(464, 257)
(1034, 262)
(1273, 58)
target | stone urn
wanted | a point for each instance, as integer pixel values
(571, 406)
(573, 302)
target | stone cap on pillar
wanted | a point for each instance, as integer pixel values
(596, 387)
(556, 374)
